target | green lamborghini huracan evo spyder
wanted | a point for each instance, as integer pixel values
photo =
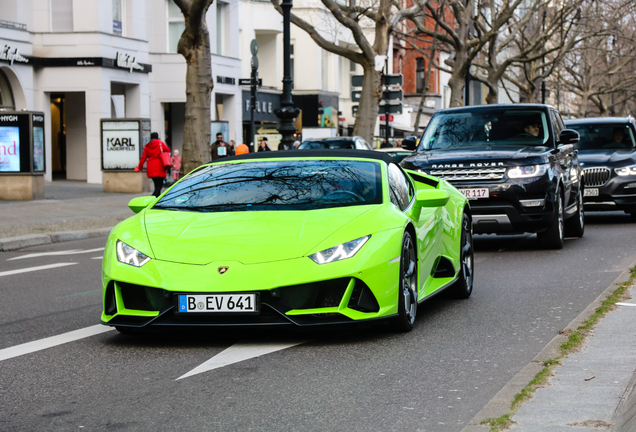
(289, 238)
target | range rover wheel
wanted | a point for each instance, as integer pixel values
(552, 238)
(407, 287)
(575, 226)
(463, 286)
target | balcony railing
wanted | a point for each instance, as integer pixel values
(12, 25)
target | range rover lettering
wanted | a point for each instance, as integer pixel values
(516, 163)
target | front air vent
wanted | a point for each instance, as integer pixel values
(469, 174)
(595, 177)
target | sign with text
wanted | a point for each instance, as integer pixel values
(9, 149)
(121, 146)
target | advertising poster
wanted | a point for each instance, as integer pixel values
(120, 145)
(9, 148)
(38, 149)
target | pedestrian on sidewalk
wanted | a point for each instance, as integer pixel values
(154, 168)
(264, 146)
(176, 165)
(220, 148)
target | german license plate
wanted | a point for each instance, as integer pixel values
(590, 192)
(215, 303)
(475, 193)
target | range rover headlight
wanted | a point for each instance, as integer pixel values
(340, 252)
(625, 171)
(527, 171)
(129, 255)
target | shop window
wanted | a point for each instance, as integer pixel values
(6, 95)
(420, 72)
(221, 28)
(176, 26)
(118, 17)
(62, 15)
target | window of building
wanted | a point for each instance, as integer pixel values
(325, 70)
(221, 28)
(420, 72)
(6, 95)
(176, 26)
(62, 15)
(118, 17)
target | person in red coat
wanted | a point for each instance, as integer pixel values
(154, 168)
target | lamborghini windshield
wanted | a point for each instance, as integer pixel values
(492, 127)
(604, 136)
(277, 185)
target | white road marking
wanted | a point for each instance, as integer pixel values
(99, 257)
(31, 269)
(238, 353)
(626, 304)
(66, 252)
(38, 345)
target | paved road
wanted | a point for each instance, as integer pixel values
(435, 378)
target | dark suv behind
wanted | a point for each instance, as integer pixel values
(607, 151)
(516, 163)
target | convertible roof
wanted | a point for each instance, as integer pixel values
(301, 154)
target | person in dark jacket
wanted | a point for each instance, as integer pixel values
(154, 168)
(220, 148)
(264, 146)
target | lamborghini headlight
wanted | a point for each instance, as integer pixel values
(527, 171)
(340, 252)
(625, 171)
(130, 255)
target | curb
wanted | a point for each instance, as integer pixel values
(14, 243)
(500, 403)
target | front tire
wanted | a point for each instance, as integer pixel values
(575, 226)
(462, 288)
(552, 238)
(407, 286)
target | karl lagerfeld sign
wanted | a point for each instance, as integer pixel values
(121, 147)
(126, 61)
(11, 55)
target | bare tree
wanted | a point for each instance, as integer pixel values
(601, 72)
(194, 46)
(466, 29)
(382, 16)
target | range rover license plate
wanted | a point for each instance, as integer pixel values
(214, 303)
(590, 192)
(475, 193)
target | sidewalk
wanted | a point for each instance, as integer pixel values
(72, 209)
(591, 390)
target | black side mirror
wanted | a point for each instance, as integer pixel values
(569, 136)
(409, 143)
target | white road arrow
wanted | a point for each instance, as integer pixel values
(240, 352)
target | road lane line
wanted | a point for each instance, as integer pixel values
(50, 342)
(238, 353)
(57, 253)
(38, 268)
(626, 304)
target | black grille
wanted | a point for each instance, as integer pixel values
(595, 177)
(469, 174)
(144, 298)
(321, 294)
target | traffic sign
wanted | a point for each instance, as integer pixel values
(254, 47)
(354, 110)
(357, 80)
(355, 95)
(383, 118)
(391, 109)
(392, 79)
(248, 81)
(389, 95)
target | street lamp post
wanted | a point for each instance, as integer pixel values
(287, 111)
(543, 66)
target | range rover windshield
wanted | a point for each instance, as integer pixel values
(277, 185)
(493, 127)
(604, 136)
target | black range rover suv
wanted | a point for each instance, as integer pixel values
(607, 151)
(516, 163)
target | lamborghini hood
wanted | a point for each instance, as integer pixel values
(247, 237)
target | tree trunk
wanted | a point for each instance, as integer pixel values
(368, 106)
(194, 46)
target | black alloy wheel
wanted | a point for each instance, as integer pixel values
(462, 288)
(407, 284)
(552, 238)
(575, 226)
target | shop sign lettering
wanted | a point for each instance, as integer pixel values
(120, 144)
(126, 61)
(7, 54)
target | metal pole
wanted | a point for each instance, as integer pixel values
(386, 106)
(543, 67)
(253, 81)
(287, 111)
